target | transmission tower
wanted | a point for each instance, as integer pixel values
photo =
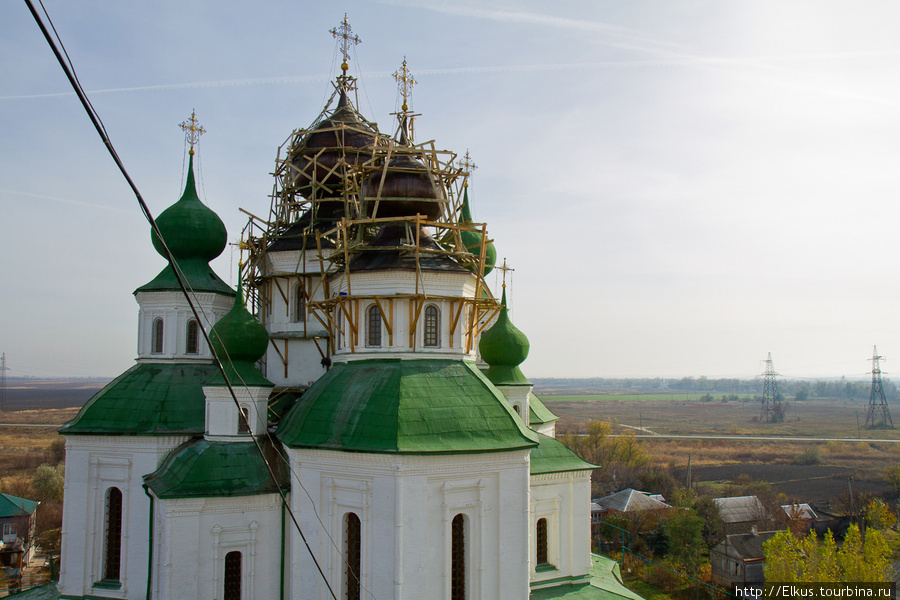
(878, 414)
(771, 410)
(3, 370)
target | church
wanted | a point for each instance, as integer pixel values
(350, 422)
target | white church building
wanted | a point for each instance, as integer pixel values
(369, 435)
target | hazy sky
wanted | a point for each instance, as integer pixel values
(682, 187)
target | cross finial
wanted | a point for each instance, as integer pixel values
(405, 81)
(504, 268)
(192, 131)
(467, 167)
(346, 37)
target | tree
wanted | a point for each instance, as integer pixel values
(892, 476)
(878, 514)
(808, 560)
(684, 532)
(48, 482)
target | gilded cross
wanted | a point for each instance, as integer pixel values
(344, 33)
(192, 131)
(504, 268)
(405, 81)
(467, 167)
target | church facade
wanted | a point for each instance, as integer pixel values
(369, 433)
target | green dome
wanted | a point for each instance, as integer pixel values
(503, 347)
(472, 240)
(191, 230)
(239, 340)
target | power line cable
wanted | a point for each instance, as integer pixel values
(69, 70)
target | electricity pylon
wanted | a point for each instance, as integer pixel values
(771, 410)
(877, 414)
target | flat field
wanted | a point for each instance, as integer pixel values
(803, 470)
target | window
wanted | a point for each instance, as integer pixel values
(373, 326)
(232, 576)
(352, 556)
(542, 542)
(157, 336)
(193, 337)
(338, 334)
(9, 530)
(244, 420)
(432, 335)
(299, 304)
(458, 558)
(517, 409)
(113, 537)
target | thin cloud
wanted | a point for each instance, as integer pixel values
(65, 201)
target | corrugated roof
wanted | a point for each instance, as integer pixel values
(552, 456)
(799, 511)
(147, 399)
(740, 509)
(203, 468)
(405, 406)
(630, 500)
(747, 545)
(13, 506)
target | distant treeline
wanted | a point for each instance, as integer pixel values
(789, 388)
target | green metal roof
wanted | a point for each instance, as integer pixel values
(239, 340)
(203, 468)
(552, 456)
(539, 414)
(404, 406)
(147, 399)
(503, 347)
(472, 240)
(195, 235)
(48, 591)
(12, 506)
(605, 584)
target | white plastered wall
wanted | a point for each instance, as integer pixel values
(175, 312)
(564, 500)
(193, 536)
(406, 504)
(93, 465)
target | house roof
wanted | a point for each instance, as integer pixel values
(201, 468)
(552, 456)
(799, 511)
(13, 506)
(740, 509)
(147, 399)
(405, 406)
(630, 500)
(746, 545)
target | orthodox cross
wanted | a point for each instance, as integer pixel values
(347, 39)
(504, 268)
(192, 131)
(467, 167)
(405, 81)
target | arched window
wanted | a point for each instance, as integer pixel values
(157, 336)
(299, 304)
(244, 420)
(232, 577)
(193, 337)
(112, 559)
(458, 558)
(432, 327)
(352, 556)
(542, 542)
(373, 326)
(517, 409)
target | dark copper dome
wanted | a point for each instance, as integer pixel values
(407, 190)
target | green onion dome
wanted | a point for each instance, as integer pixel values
(239, 340)
(472, 240)
(190, 228)
(503, 347)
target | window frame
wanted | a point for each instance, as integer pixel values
(542, 539)
(298, 306)
(192, 341)
(112, 535)
(233, 576)
(352, 564)
(374, 335)
(157, 337)
(431, 327)
(458, 558)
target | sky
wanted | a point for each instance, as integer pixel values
(681, 187)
